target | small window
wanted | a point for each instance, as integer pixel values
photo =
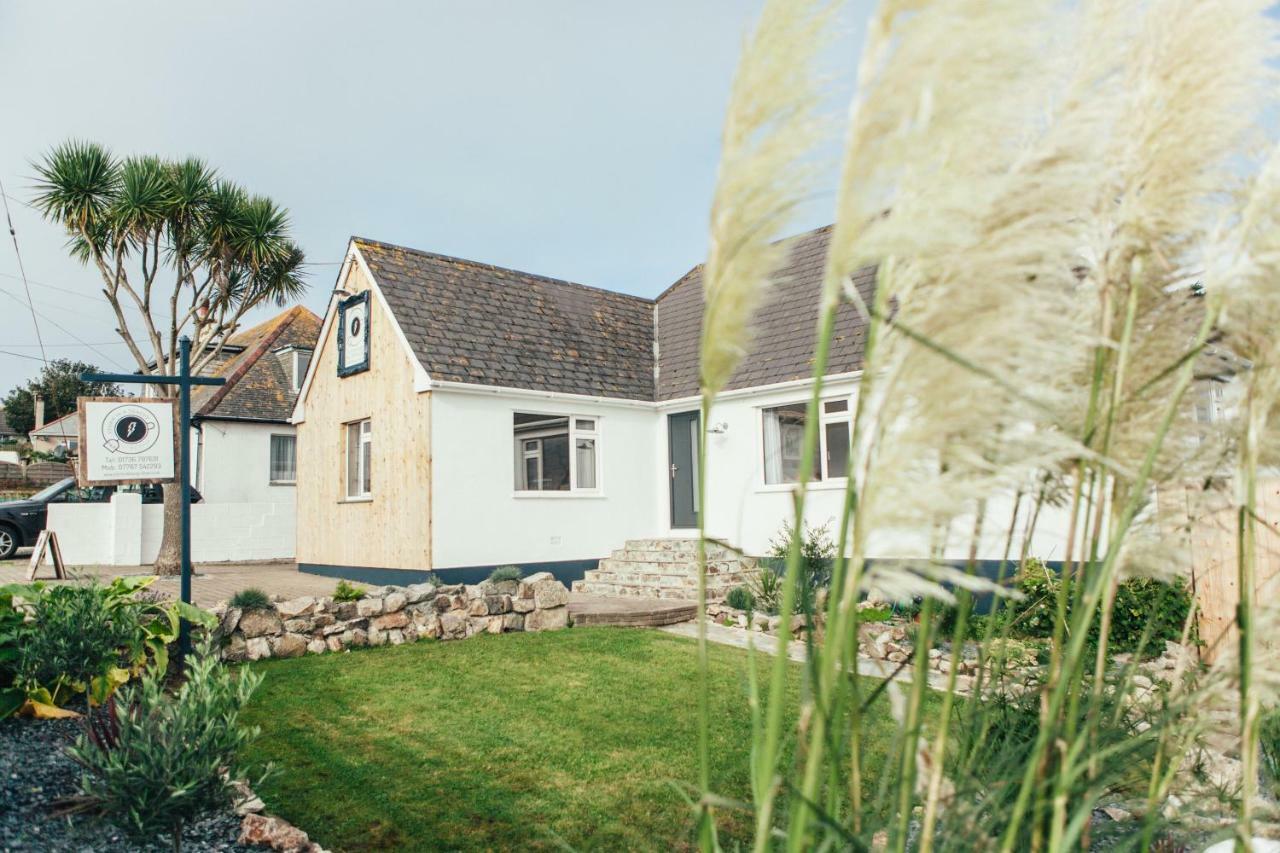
(784, 428)
(301, 361)
(359, 459)
(555, 453)
(284, 459)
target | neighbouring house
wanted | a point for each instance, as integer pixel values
(244, 463)
(60, 436)
(459, 416)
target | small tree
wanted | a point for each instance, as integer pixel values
(191, 252)
(59, 384)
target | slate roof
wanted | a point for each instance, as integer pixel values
(485, 325)
(258, 386)
(783, 331)
(68, 425)
(476, 323)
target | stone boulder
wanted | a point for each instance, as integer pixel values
(369, 606)
(289, 646)
(545, 590)
(260, 623)
(552, 619)
(296, 607)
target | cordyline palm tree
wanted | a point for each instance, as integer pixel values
(189, 252)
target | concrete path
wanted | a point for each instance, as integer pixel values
(767, 643)
(211, 583)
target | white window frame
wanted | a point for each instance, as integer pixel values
(521, 454)
(365, 425)
(299, 371)
(271, 441)
(825, 478)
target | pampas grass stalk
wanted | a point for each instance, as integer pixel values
(1036, 185)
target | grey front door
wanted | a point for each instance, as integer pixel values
(682, 441)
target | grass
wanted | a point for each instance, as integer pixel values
(586, 737)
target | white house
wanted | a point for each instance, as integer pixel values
(243, 465)
(459, 416)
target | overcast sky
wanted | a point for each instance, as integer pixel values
(572, 138)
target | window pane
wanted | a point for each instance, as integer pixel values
(585, 424)
(353, 460)
(831, 406)
(837, 448)
(784, 444)
(283, 465)
(366, 481)
(555, 463)
(542, 452)
(586, 463)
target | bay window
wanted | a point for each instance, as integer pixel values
(556, 453)
(784, 428)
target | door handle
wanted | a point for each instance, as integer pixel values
(673, 470)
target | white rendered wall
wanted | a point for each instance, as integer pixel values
(235, 463)
(478, 517)
(124, 532)
(747, 513)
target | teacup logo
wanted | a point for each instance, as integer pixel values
(129, 429)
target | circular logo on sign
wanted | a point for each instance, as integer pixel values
(355, 327)
(129, 429)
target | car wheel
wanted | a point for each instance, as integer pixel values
(8, 541)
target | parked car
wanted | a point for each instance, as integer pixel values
(21, 521)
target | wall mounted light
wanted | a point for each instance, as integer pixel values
(718, 429)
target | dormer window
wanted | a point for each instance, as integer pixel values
(294, 360)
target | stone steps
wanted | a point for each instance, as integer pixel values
(666, 569)
(629, 613)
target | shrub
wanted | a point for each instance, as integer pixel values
(158, 760)
(505, 573)
(875, 614)
(766, 590)
(67, 640)
(251, 599)
(817, 552)
(346, 591)
(1140, 603)
(740, 598)
(81, 635)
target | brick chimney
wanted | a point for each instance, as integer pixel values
(39, 411)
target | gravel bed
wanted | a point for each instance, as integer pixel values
(35, 772)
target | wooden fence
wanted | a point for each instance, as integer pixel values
(37, 475)
(1214, 565)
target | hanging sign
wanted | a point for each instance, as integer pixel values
(353, 334)
(126, 440)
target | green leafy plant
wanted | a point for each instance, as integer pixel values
(740, 598)
(251, 598)
(765, 587)
(161, 759)
(817, 554)
(59, 642)
(505, 573)
(346, 591)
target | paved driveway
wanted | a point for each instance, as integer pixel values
(211, 583)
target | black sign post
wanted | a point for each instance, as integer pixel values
(184, 380)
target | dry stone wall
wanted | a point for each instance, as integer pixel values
(393, 615)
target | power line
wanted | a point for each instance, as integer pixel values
(63, 328)
(20, 355)
(13, 234)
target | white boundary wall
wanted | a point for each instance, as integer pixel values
(123, 532)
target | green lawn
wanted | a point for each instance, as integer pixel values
(519, 740)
